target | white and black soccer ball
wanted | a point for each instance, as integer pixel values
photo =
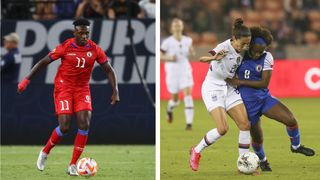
(248, 163)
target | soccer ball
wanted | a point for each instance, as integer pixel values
(248, 162)
(87, 167)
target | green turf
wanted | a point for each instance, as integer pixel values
(219, 160)
(115, 162)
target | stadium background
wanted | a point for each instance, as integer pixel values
(29, 118)
(295, 25)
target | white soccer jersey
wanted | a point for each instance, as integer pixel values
(179, 72)
(226, 67)
(172, 47)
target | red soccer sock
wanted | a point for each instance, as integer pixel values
(79, 143)
(54, 139)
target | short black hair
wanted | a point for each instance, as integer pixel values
(81, 22)
(262, 32)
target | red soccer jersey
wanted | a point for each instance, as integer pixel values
(76, 61)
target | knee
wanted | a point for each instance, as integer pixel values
(245, 126)
(64, 129)
(291, 120)
(223, 130)
(84, 124)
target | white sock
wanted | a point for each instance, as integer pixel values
(295, 147)
(172, 104)
(211, 137)
(244, 141)
(188, 109)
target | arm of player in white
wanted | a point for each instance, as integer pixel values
(217, 57)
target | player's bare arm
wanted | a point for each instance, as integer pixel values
(263, 83)
(192, 52)
(113, 81)
(166, 57)
(42, 64)
(217, 57)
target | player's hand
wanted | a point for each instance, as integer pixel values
(173, 58)
(235, 82)
(115, 98)
(221, 54)
(22, 85)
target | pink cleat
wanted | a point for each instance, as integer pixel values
(194, 159)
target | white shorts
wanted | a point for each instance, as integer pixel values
(223, 96)
(178, 78)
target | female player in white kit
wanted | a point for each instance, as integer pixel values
(175, 51)
(221, 98)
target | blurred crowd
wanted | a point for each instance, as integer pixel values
(69, 9)
(292, 22)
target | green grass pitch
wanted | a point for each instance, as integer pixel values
(219, 160)
(115, 162)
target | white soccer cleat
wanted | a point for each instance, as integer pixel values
(41, 160)
(72, 170)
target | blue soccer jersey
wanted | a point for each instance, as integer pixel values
(257, 101)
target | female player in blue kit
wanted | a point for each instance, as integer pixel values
(253, 79)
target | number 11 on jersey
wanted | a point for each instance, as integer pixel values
(79, 62)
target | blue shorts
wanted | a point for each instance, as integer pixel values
(255, 108)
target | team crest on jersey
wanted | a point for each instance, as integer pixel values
(238, 60)
(89, 54)
(259, 68)
(88, 99)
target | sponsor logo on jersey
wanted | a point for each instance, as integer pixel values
(71, 54)
(259, 68)
(89, 54)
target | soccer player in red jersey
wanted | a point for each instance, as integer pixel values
(71, 88)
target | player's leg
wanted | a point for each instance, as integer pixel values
(173, 87)
(214, 99)
(237, 111)
(172, 103)
(239, 115)
(83, 122)
(282, 114)
(219, 116)
(56, 135)
(58, 132)
(64, 109)
(188, 107)
(257, 145)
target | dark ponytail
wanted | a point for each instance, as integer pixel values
(239, 30)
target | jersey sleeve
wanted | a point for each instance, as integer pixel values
(268, 62)
(164, 46)
(216, 49)
(101, 56)
(57, 52)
